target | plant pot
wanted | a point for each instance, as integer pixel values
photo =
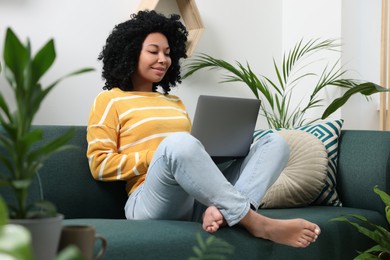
(45, 234)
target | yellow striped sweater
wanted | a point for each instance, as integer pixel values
(124, 130)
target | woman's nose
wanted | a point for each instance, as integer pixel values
(162, 58)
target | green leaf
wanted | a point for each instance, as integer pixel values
(367, 88)
(43, 60)
(386, 199)
(281, 82)
(197, 251)
(378, 233)
(375, 251)
(211, 248)
(70, 253)
(383, 195)
(53, 84)
(7, 162)
(3, 212)
(56, 145)
(21, 184)
(16, 56)
(42, 208)
(366, 256)
(32, 137)
(4, 107)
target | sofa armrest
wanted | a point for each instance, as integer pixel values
(363, 162)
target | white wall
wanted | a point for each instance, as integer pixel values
(251, 33)
(361, 26)
(308, 20)
(245, 30)
(79, 29)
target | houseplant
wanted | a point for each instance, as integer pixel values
(294, 72)
(15, 241)
(379, 234)
(22, 154)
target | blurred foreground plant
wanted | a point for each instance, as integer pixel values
(379, 234)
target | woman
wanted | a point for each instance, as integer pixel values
(139, 133)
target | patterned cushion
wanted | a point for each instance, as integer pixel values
(328, 133)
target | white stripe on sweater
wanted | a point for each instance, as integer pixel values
(150, 108)
(136, 155)
(119, 171)
(97, 140)
(148, 119)
(113, 100)
(144, 140)
(103, 165)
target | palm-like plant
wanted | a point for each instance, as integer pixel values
(21, 158)
(277, 96)
(377, 233)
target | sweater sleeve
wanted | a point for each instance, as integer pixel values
(105, 161)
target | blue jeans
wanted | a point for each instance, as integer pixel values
(181, 172)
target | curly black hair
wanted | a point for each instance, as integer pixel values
(123, 46)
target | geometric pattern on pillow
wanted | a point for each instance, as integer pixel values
(304, 176)
(329, 133)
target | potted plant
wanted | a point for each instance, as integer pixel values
(276, 95)
(15, 240)
(22, 154)
(379, 234)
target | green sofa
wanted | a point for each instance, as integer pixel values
(363, 163)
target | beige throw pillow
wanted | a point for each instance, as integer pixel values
(304, 177)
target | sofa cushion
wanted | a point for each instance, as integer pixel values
(328, 133)
(163, 239)
(304, 176)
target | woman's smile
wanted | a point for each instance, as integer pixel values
(160, 71)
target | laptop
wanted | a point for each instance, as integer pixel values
(225, 125)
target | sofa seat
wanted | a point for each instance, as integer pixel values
(161, 239)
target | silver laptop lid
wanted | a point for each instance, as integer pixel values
(225, 125)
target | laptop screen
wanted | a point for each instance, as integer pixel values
(225, 125)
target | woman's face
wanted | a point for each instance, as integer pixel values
(153, 63)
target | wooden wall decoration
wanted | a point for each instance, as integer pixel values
(189, 13)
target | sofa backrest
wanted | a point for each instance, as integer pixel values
(363, 163)
(65, 180)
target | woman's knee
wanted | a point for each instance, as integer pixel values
(277, 142)
(181, 143)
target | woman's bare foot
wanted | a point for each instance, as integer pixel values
(291, 232)
(212, 219)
